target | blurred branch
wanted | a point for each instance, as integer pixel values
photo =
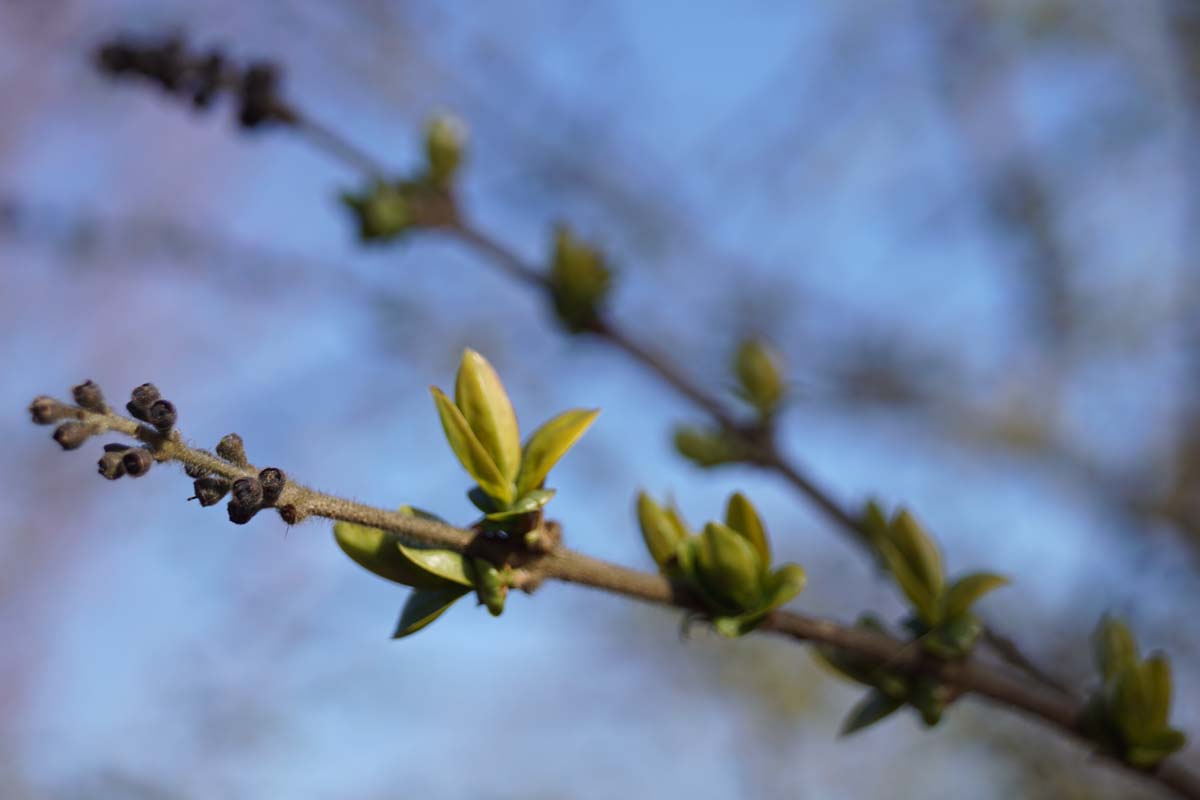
(161, 442)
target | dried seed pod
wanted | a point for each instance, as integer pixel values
(137, 461)
(115, 447)
(162, 415)
(240, 514)
(210, 490)
(140, 401)
(247, 492)
(111, 465)
(71, 435)
(45, 410)
(232, 449)
(272, 480)
(88, 395)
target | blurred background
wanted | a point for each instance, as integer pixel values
(970, 227)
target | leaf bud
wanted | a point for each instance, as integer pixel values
(759, 380)
(444, 140)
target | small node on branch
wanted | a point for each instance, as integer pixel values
(232, 449)
(137, 462)
(272, 480)
(46, 410)
(72, 435)
(88, 396)
(162, 415)
(210, 490)
(111, 465)
(259, 94)
(140, 401)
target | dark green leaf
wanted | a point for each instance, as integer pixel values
(424, 606)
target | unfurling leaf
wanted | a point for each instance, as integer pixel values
(919, 550)
(1113, 647)
(471, 453)
(759, 380)
(964, 592)
(785, 583)
(548, 444)
(661, 534)
(484, 403)
(874, 707)
(728, 569)
(383, 211)
(490, 587)
(444, 140)
(424, 606)
(708, 448)
(741, 516)
(925, 603)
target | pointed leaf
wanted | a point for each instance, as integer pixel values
(423, 607)
(923, 601)
(968, 589)
(874, 707)
(445, 564)
(1156, 748)
(481, 398)
(919, 551)
(1113, 646)
(1156, 676)
(658, 531)
(549, 443)
(728, 569)
(470, 452)
(381, 553)
(784, 584)
(741, 515)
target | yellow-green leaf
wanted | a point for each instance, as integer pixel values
(1113, 647)
(728, 568)
(549, 443)
(381, 553)
(659, 532)
(481, 398)
(919, 551)
(741, 515)
(470, 452)
(785, 583)
(424, 606)
(1156, 748)
(964, 592)
(445, 564)
(873, 707)
(1156, 676)
(924, 602)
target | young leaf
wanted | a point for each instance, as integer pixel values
(874, 707)
(919, 551)
(1113, 647)
(445, 564)
(549, 443)
(470, 452)
(1156, 748)
(423, 607)
(728, 569)
(484, 403)
(1156, 675)
(964, 592)
(658, 531)
(785, 583)
(381, 553)
(924, 602)
(741, 515)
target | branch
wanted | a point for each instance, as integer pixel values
(162, 442)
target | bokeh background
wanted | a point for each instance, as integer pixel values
(971, 227)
